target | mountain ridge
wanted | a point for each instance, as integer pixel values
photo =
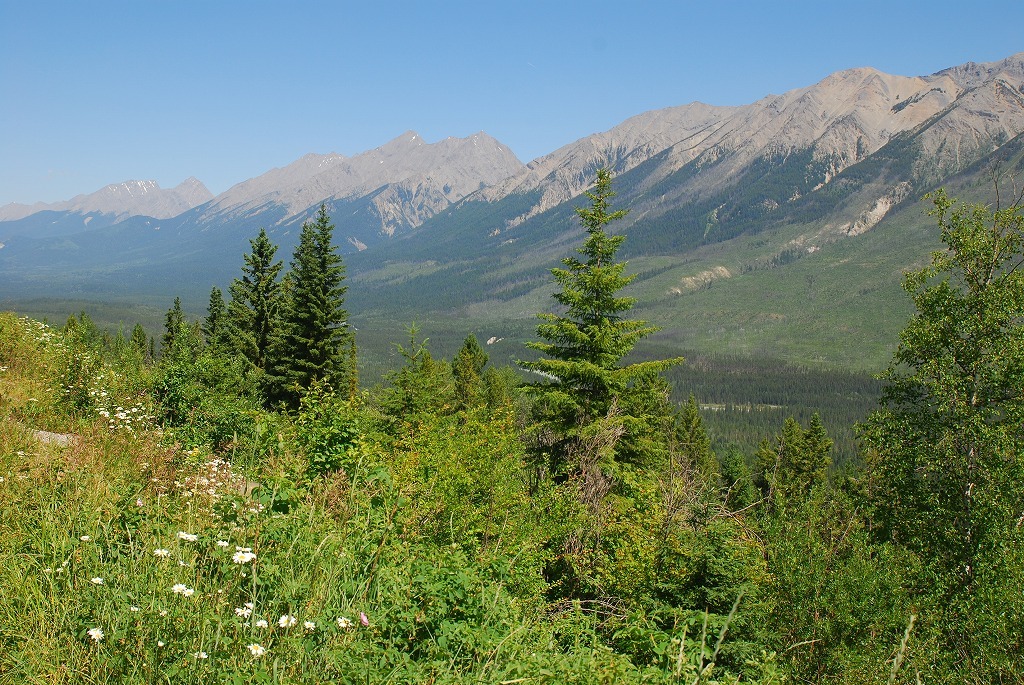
(718, 198)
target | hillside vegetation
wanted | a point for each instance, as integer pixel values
(231, 510)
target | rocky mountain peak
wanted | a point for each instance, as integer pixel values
(122, 200)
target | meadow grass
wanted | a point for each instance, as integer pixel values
(127, 558)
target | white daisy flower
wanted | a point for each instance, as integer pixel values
(243, 557)
(96, 634)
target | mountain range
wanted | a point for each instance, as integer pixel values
(726, 204)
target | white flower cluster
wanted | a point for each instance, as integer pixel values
(131, 419)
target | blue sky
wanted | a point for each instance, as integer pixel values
(101, 91)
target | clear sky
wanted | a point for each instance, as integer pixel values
(96, 92)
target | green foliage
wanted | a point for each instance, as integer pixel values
(209, 399)
(794, 462)
(313, 341)
(420, 389)
(214, 326)
(583, 347)
(252, 315)
(467, 372)
(327, 432)
(836, 603)
(173, 321)
(944, 449)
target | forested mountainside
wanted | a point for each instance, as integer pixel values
(785, 222)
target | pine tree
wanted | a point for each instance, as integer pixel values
(583, 347)
(314, 340)
(174, 319)
(467, 370)
(138, 340)
(215, 322)
(255, 302)
(795, 461)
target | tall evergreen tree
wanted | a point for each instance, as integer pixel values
(214, 324)
(795, 461)
(255, 302)
(174, 319)
(314, 337)
(138, 340)
(583, 347)
(467, 371)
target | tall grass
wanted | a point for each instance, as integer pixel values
(126, 557)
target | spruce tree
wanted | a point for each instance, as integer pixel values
(173, 321)
(138, 340)
(255, 302)
(213, 326)
(795, 461)
(467, 371)
(583, 346)
(314, 335)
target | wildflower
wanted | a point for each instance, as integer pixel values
(159, 643)
(201, 655)
(140, 503)
(163, 612)
(96, 634)
(182, 589)
(96, 581)
(344, 623)
(309, 626)
(187, 537)
(222, 543)
(243, 557)
(85, 538)
(161, 553)
(256, 649)
(243, 612)
(134, 610)
(287, 621)
(364, 620)
(261, 623)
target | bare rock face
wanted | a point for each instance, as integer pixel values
(130, 198)
(408, 179)
(957, 115)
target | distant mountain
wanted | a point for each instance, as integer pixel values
(121, 200)
(809, 135)
(404, 181)
(720, 198)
